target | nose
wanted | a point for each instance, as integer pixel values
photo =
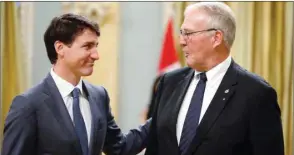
(183, 41)
(95, 55)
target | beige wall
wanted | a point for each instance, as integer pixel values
(106, 68)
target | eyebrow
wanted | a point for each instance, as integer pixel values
(90, 43)
(185, 29)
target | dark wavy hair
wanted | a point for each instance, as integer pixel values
(66, 28)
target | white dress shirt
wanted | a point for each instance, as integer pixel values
(214, 78)
(65, 88)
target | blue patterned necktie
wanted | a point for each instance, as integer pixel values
(193, 114)
(80, 126)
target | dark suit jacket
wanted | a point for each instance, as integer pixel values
(244, 121)
(38, 123)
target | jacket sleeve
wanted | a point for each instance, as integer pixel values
(116, 143)
(20, 129)
(266, 134)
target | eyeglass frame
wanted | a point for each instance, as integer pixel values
(187, 34)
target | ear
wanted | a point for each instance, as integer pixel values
(59, 48)
(217, 39)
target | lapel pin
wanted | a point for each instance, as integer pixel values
(224, 99)
(226, 91)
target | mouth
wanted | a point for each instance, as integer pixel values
(185, 51)
(90, 64)
(186, 54)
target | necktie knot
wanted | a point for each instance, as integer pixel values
(76, 93)
(203, 77)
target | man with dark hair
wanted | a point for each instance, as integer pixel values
(64, 115)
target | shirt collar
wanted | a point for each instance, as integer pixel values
(64, 87)
(213, 73)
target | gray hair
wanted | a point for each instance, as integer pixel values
(221, 17)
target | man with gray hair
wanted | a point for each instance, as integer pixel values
(213, 106)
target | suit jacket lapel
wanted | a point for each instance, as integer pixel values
(177, 96)
(57, 107)
(219, 101)
(93, 98)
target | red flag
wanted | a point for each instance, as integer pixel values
(168, 59)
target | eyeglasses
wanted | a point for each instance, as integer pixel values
(187, 34)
